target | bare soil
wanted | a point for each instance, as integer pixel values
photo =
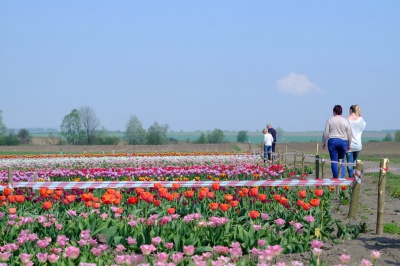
(358, 249)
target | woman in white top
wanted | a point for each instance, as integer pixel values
(268, 140)
(357, 126)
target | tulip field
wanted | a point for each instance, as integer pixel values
(162, 225)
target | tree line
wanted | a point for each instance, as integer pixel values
(82, 127)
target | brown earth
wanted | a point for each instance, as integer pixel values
(358, 249)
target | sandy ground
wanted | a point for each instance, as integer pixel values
(358, 249)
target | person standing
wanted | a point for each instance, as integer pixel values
(272, 131)
(268, 140)
(357, 126)
(338, 135)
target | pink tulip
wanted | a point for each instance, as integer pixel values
(188, 250)
(4, 256)
(317, 244)
(131, 241)
(72, 252)
(169, 245)
(147, 249)
(365, 262)
(53, 258)
(163, 257)
(344, 258)
(375, 254)
(177, 257)
(156, 240)
(42, 257)
(25, 258)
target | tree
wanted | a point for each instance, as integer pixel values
(279, 133)
(202, 139)
(90, 122)
(135, 134)
(71, 128)
(24, 136)
(242, 136)
(216, 136)
(157, 134)
(3, 128)
(397, 136)
(388, 137)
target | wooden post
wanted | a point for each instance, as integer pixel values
(302, 164)
(285, 156)
(294, 160)
(34, 177)
(262, 150)
(10, 177)
(381, 196)
(355, 195)
(250, 149)
(323, 168)
(340, 168)
(316, 166)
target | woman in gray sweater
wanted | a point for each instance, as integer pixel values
(338, 134)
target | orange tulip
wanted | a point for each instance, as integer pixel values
(332, 188)
(157, 202)
(234, 203)
(224, 207)
(19, 198)
(49, 191)
(286, 188)
(245, 190)
(70, 198)
(254, 214)
(315, 202)
(210, 195)
(147, 196)
(117, 201)
(139, 190)
(215, 186)
(277, 197)
(96, 205)
(162, 192)
(283, 201)
(214, 206)
(171, 211)
(302, 194)
(59, 192)
(300, 202)
(157, 185)
(132, 200)
(262, 197)
(170, 197)
(88, 203)
(11, 198)
(253, 192)
(2, 198)
(344, 187)
(7, 191)
(120, 210)
(95, 199)
(306, 206)
(107, 199)
(188, 194)
(228, 197)
(87, 196)
(319, 192)
(175, 186)
(47, 205)
(12, 210)
(242, 194)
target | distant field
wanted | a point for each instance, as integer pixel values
(254, 137)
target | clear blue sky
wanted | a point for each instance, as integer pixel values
(200, 65)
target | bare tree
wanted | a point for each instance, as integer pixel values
(3, 128)
(90, 122)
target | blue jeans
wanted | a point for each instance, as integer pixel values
(267, 149)
(337, 149)
(351, 157)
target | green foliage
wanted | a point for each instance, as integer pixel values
(202, 139)
(392, 183)
(157, 134)
(388, 137)
(24, 136)
(391, 228)
(216, 136)
(242, 136)
(3, 128)
(279, 133)
(134, 133)
(397, 136)
(10, 140)
(72, 129)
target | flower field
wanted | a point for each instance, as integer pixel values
(213, 225)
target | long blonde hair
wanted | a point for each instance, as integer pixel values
(355, 109)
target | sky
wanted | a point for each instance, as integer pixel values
(200, 65)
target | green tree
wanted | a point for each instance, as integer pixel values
(242, 136)
(24, 136)
(388, 137)
(279, 133)
(72, 129)
(157, 134)
(90, 123)
(202, 139)
(397, 136)
(135, 134)
(216, 136)
(3, 128)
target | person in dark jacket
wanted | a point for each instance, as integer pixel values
(272, 131)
